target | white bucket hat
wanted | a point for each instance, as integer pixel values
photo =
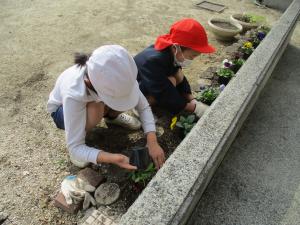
(112, 72)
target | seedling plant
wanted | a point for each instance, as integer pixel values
(225, 74)
(186, 123)
(247, 48)
(237, 64)
(208, 95)
(143, 176)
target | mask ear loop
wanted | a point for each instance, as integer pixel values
(176, 51)
(176, 48)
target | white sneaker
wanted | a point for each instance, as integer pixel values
(77, 163)
(126, 121)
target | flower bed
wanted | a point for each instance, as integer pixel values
(178, 186)
(133, 184)
(223, 75)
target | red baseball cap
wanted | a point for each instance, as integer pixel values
(188, 33)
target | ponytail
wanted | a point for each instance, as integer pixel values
(80, 59)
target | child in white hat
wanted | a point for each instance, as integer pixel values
(102, 85)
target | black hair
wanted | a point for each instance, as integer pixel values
(80, 59)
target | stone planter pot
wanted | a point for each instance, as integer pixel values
(224, 29)
(246, 26)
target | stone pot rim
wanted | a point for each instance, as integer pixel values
(235, 17)
(234, 23)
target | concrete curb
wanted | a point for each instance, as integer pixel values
(175, 190)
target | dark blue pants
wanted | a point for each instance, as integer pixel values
(58, 118)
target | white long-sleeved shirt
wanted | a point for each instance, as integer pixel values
(71, 92)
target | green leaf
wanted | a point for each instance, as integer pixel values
(142, 176)
(190, 119)
(138, 179)
(225, 72)
(179, 124)
(209, 95)
(186, 126)
(182, 119)
(150, 168)
(256, 18)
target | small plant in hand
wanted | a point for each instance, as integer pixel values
(142, 177)
(186, 123)
(208, 95)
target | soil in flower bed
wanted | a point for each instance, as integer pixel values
(224, 25)
(119, 140)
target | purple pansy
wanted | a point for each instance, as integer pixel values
(226, 63)
(261, 35)
(222, 86)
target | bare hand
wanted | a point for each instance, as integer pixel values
(157, 154)
(117, 159)
(122, 161)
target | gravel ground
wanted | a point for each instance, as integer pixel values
(37, 41)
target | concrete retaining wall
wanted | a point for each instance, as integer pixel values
(277, 4)
(175, 190)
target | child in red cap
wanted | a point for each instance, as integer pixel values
(160, 65)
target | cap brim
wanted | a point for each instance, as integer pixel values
(205, 49)
(124, 103)
(163, 42)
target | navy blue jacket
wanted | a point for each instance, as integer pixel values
(154, 68)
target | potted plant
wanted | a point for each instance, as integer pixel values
(208, 95)
(186, 123)
(224, 75)
(247, 21)
(224, 29)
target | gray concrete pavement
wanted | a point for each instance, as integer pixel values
(259, 180)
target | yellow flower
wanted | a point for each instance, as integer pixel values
(173, 123)
(248, 44)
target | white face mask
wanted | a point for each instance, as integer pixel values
(185, 62)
